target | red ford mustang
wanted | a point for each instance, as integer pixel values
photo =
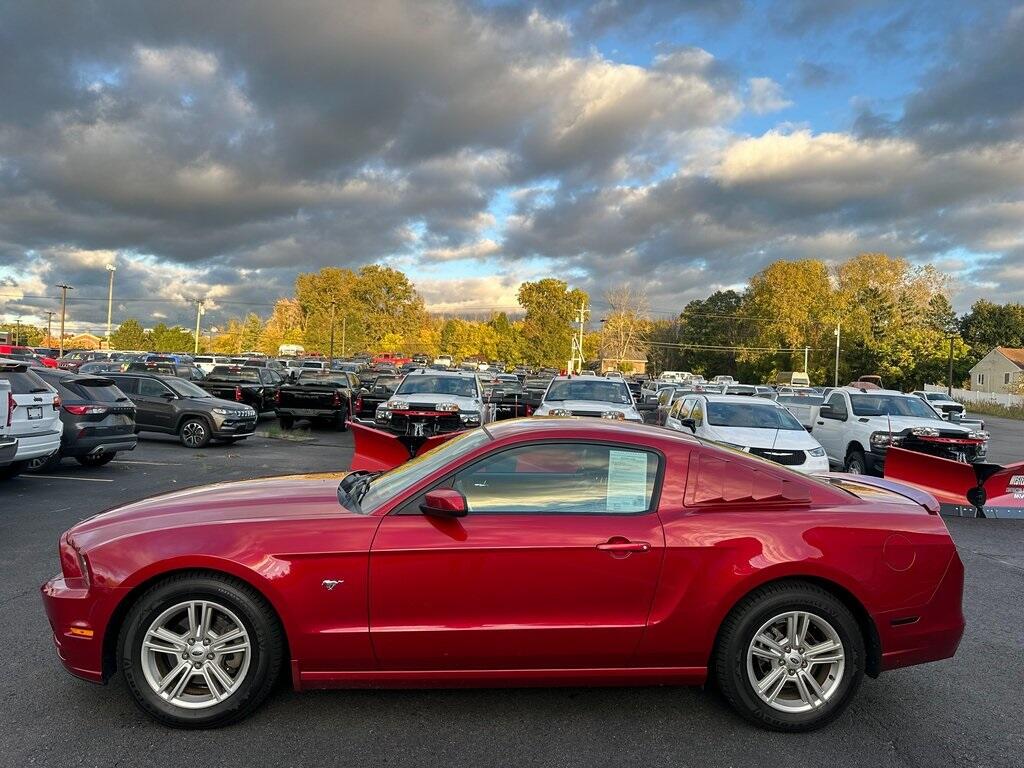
(529, 552)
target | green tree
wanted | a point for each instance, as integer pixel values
(551, 309)
(252, 330)
(129, 335)
(990, 325)
(387, 303)
(174, 339)
(508, 339)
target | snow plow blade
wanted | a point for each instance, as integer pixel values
(379, 451)
(981, 490)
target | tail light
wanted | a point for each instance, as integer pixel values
(11, 405)
(238, 394)
(277, 396)
(85, 410)
(56, 402)
(359, 403)
(529, 410)
(337, 399)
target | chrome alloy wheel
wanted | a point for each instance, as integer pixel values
(193, 434)
(196, 654)
(795, 662)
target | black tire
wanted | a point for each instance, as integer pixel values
(287, 421)
(96, 459)
(13, 470)
(855, 462)
(737, 633)
(195, 432)
(258, 619)
(43, 463)
(341, 420)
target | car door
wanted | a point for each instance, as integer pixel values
(830, 427)
(156, 400)
(554, 566)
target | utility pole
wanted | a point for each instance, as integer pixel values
(49, 326)
(577, 360)
(839, 332)
(64, 288)
(200, 305)
(949, 378)
(334, 304)
(344, 329)
(806, 351)
(110, 300)
(17, 333)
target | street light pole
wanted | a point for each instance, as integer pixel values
(806, 351)
(949, 379)
(334, 304)
(199, 313)
(64, 288)
(110, 300)
(17, 333)
(49, 326)
(344, 329)
(838, 336)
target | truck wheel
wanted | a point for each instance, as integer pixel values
(287, 422)
(855, 463)
(341, 420)
(194, 433)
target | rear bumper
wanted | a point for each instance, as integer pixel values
(68, 609)
(8, 450)
(83, 446)
(931, 632)
(308, 413)
(34, 446)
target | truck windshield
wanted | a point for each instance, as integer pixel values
(589, 389)
(438, 385)
(750, 415)
(892, 405)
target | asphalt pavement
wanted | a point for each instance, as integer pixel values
(963, 711)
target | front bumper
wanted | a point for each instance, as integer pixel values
(224, 426)
(412, 422)
(73, 615)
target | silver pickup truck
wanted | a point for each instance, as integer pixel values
(803, 407)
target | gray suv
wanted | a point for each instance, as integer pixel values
(178, 407)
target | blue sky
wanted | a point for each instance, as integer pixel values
(679, 145)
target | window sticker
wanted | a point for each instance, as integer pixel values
(627, 481)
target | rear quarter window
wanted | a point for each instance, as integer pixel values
(24, 382)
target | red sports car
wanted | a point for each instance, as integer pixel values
(528, 552)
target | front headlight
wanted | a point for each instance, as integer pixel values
(816, 453)
(925, 431)
(614, 415)
(559, 412)
(230, 412)
(881, 438)
(979, 434)
(447, 407)
(470, 418)
(397, 405)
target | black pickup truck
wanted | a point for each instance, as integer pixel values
(325, 396)
(253, 386)
(511, 399)
(374, 392)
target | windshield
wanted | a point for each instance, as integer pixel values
(589, 389)
(750, 415)
(381, 488)
(438, 385)
(800, 399)
(228, 373)
(184, 388)
(891, 405)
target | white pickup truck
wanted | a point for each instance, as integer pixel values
(856, 426)
(8, 444)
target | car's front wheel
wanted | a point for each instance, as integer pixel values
(200, 650)
(194, 433)
(790, 657)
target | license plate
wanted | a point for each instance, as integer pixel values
(35, 412)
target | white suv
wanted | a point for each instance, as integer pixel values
(753, 425)
(33, 415)
(856, 427)
(8, 444)
(589, 396)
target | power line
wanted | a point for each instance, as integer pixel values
(729, 348)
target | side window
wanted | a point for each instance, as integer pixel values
(682, 407)
(697, 414)
(128, 385)
(152, 388)
(839, 410)
(560, 478)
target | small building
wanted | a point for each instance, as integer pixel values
(82, 341)
(1001, 370)
(627, 366)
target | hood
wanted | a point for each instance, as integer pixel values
(264, 499)
(901, 423)
(433, 398)
(759, 437)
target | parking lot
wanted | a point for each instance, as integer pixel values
(964, 711)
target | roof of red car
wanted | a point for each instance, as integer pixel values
(586, 426)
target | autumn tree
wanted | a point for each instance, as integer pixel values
(387, 303)
(625, 329)
(551, 309)
(252, 330)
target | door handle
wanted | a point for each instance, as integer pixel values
(624, 546)
(821, 423)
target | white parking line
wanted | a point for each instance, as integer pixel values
(65, 477)
(148, 463)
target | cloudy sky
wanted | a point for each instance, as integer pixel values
(218, 148)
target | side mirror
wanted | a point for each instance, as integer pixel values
(169, 396)
(364, 391)
(444, 502)
(825, 411)
(689, 423)
(953, 418)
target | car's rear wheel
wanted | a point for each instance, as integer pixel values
(194, 433)
(287, 422)
(790, 657)
(96, 459)
(341, 420)
(855, 463)
(200, 650)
